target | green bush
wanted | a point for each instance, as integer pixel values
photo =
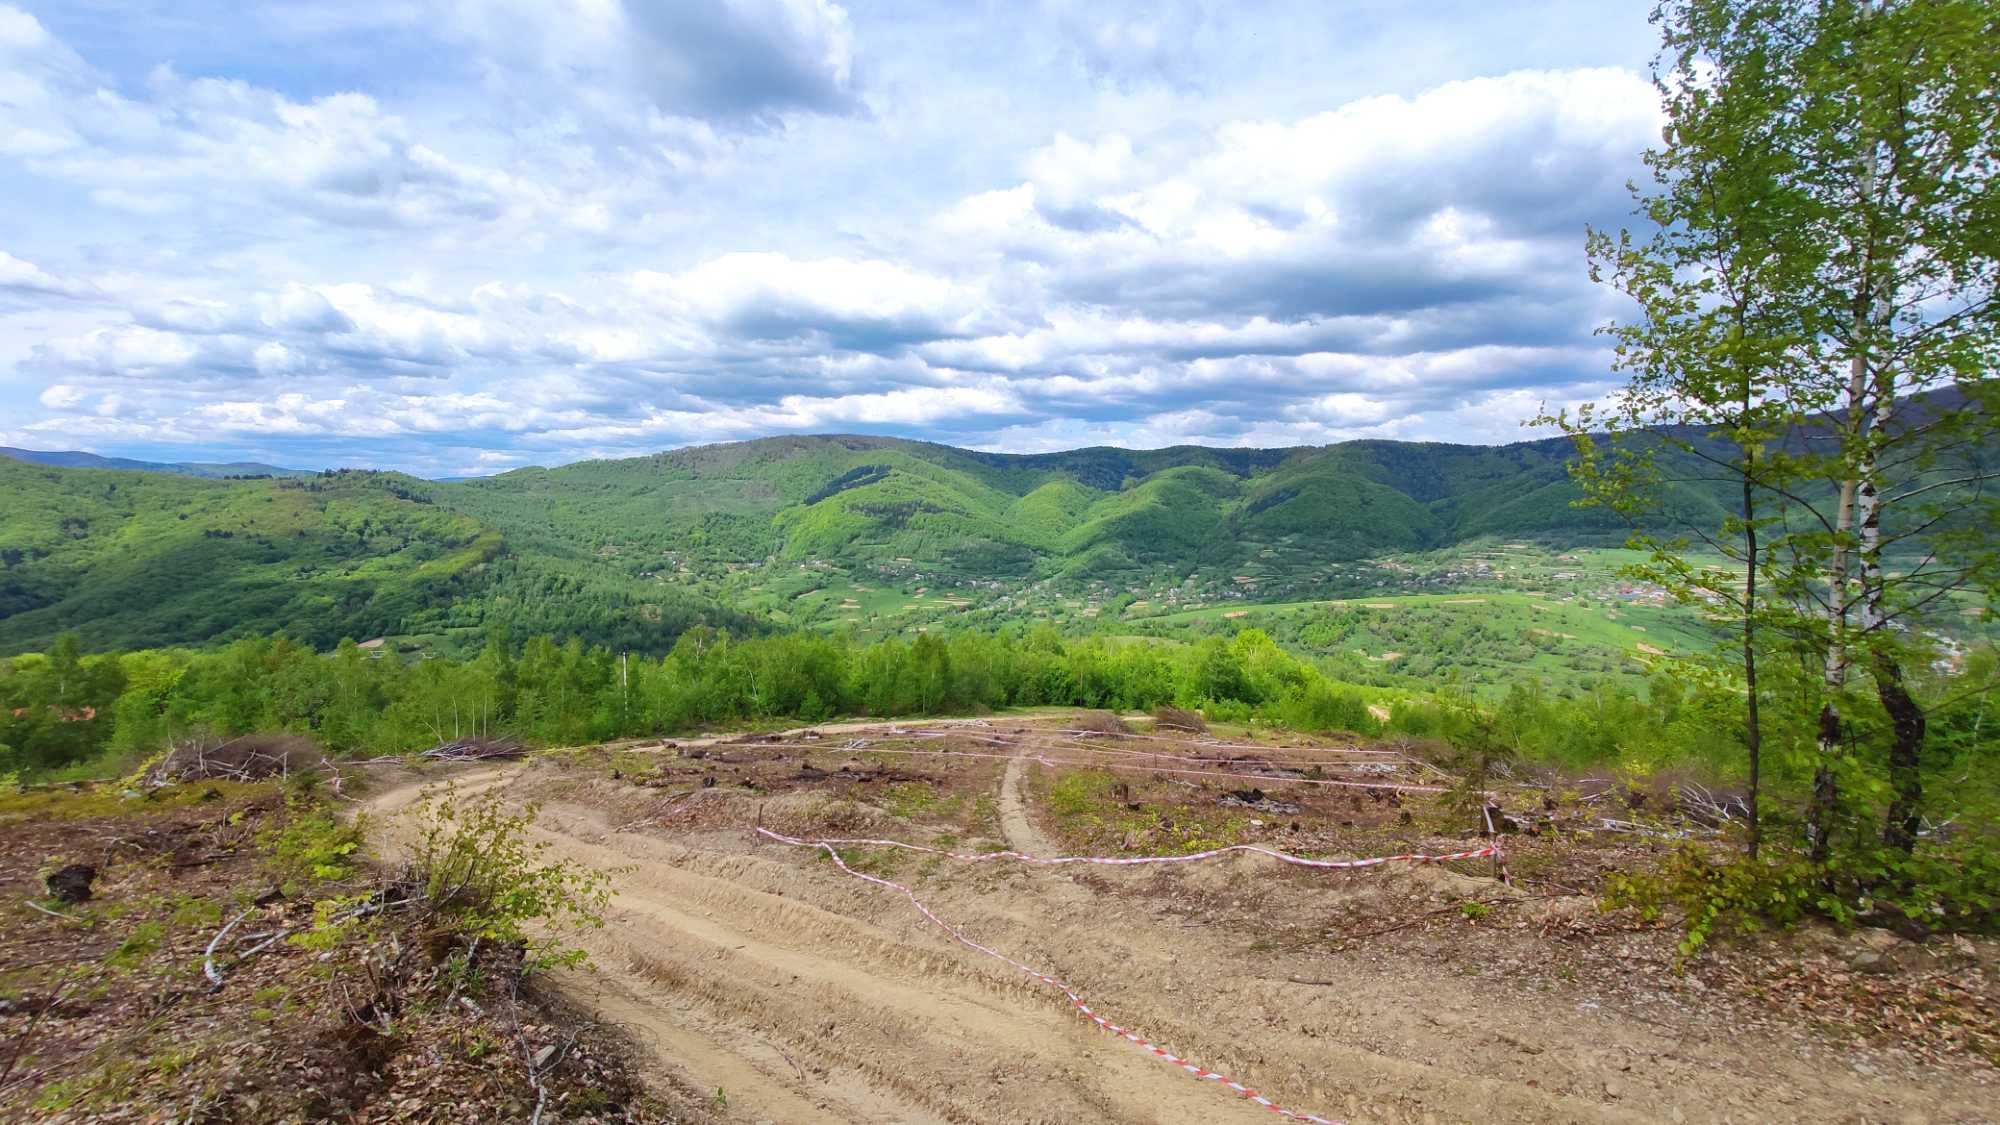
(1320, 706)
(1416, 717)
(475, 865)
(1720, 895)
(1951, 884)
(312, 846)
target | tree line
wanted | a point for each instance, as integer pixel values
(64, 710)
(67, 710)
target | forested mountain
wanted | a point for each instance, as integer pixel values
(77, 459)
(630, 552)
(1086, 512)
(140, 559)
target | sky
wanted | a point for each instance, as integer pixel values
(460, 236)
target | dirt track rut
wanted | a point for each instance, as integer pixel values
(804, 995)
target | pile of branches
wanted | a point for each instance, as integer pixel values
(1097, 724)
(1166, 717)
(248, 757)
(475, 750)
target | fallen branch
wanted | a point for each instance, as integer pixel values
(475, 750)
(1609, 824)
(208, 957)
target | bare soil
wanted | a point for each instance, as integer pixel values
(791, 991)
(108, 1011)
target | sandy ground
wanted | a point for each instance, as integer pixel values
(801, 994)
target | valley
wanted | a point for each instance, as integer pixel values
(827, 533)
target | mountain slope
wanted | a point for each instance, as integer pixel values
(77, 459)
(631, 552)
(132, 560)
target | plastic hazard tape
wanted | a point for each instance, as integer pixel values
(1480, 852)
(1134, 765)
(1076, 1001)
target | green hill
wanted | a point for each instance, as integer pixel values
(76, 459)
(631, 552)
(137, 559)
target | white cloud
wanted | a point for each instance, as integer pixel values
(466, 234)
(25, 277)
(728, 61)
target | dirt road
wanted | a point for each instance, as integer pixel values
(800, 994)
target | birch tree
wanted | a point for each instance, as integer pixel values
(1719, 330)
(1819, 298)
(1896, 108)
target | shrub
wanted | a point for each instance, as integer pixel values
(475, 866)
(1944, 885)
(1717, 896)
(312, 846)
(1320, 706)
(1415, 717)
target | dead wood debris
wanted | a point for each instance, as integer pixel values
(475, 750)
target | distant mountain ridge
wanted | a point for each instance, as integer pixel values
(629, 553)
(77, 459)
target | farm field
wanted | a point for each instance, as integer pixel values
(1486, 613)
(1489, 609)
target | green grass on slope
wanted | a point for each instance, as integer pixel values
(134, 560)
(1485, 638)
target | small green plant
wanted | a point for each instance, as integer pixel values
(173, 1061)
(313, 845)
(138, 944)
(1074, 794)
(1734, 895)
(475, 863)
(1474, 910)
(463, 972)
(911, 799)
(883, 862)
(1477, 754)
(720, 1099)
(191, 911)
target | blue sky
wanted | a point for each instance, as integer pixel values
(455, 237)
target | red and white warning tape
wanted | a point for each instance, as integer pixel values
(1135, 861)
(1082, 1007)
(1136, 766)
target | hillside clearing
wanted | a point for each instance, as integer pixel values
(1378, 996)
